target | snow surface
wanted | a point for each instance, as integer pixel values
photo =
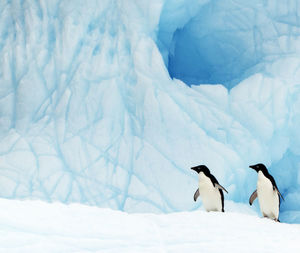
(35, 226)
(90, 114)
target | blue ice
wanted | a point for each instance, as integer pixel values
(110, 103)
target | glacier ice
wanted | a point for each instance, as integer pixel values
(203, 46)
(100, 101)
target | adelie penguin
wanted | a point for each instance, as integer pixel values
(267, 193)
(210, 191)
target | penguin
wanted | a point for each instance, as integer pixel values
(267, 193)
(210, 191)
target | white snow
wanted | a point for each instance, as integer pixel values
(35, 226)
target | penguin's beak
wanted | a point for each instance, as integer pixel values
(195, 169)
(253, 167)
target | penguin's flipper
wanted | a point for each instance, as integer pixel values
(252, 197)
(196, 195)
(220, 187)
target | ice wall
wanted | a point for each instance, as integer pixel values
(206, 40)
(89, 113)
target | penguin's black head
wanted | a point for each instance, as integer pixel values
(201, 168)
(259, 167)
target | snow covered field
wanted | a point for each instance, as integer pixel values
(35, 226)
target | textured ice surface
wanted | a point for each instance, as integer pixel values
(226, 41)
(34, 226)
(89, 113)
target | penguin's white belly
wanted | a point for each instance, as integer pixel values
(210, 196)
(267, 197)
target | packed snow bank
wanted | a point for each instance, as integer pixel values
(34, 226)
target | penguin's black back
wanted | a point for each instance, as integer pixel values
(271, 178)
(272, 181)
(215, 181)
